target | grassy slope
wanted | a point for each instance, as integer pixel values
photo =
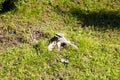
(87, 23)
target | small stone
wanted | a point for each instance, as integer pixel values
(64, 60)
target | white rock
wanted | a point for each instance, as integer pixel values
(64, 60)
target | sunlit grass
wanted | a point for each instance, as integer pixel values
(98, 53)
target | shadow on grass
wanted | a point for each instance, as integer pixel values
(101, 18)
(8, 5)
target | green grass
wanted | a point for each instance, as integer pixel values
(92, 25)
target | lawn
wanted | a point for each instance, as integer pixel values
(93, 25)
